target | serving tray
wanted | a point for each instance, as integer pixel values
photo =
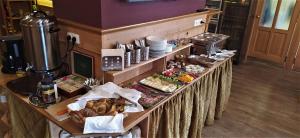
(159, 84)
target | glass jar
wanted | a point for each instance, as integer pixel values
(46, 90)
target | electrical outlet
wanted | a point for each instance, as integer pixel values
(198, 22)
(76, 36)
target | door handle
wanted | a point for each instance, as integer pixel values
(257, 16)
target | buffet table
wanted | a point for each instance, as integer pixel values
(185, 113)
(182, 114)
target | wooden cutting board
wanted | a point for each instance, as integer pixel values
(60, 111)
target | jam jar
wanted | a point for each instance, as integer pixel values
(46, 90)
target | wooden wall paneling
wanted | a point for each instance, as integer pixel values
(159, 65)
(97, 61)
(120, 78)
(170, 29)
(90, 42)
(90, 38)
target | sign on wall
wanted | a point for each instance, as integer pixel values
(47, 3)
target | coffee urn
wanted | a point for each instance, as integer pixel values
(41, 45)
(41, 51)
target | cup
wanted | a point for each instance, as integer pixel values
(145, 53)
(137, 56)
(127, 59)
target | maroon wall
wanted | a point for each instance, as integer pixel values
(116, 13)
(87, 12)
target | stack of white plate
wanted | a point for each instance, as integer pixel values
(157, 46)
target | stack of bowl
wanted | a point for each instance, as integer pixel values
(157, 46)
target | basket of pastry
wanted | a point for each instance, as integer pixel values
(101, 107)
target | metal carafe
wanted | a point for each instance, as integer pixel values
(41, 42)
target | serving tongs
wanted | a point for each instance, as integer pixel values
(91, 83)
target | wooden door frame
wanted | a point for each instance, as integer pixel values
(295, 43)
(254, 31)
(257, 5)
(249, 31)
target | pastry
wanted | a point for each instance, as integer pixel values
(102, 107)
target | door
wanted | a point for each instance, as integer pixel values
(293, 53)
(273, 27)
(296, 65)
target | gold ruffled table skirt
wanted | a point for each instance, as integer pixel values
(25, 121)
(201, 103)
(183, 116)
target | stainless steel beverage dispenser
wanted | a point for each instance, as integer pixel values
(41, 45)
(41, 51)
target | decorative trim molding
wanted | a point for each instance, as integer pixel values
(153, 22)
(105, 31)
(79, 25)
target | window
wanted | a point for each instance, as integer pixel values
(285, 14)
(268, 13)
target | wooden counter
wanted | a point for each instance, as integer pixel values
(4, 78)
(141, 118)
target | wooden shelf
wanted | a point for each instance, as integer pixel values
(135, 66)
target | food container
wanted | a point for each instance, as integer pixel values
(145, 53)
(127, 59)
(41, 41)
(136, 56)
(207, 62)
(47, 90)
(107, 105)
(208, 38)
